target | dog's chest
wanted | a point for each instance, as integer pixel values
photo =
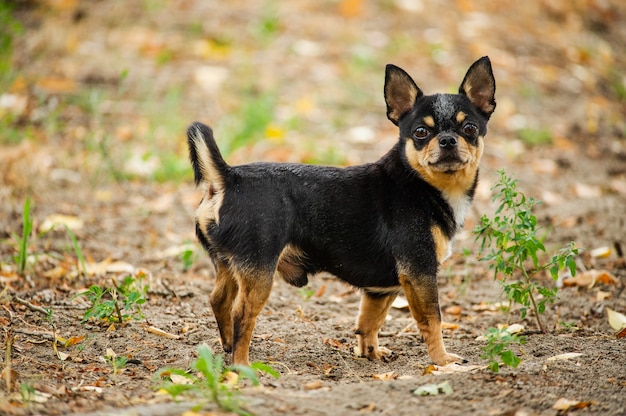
(460, 203)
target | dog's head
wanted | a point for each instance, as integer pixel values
(442, 135)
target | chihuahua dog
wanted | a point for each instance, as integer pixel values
(384, 227)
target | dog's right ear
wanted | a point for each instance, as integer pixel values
(400, 92)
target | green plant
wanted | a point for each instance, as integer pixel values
(212, 380)
(535, 137)
(118, 362)
(109, 302)
(306, 292)
(188, 256)
(498, 351)
(77, 249)
(27, 228)
(247, 124)
(27, 393)
(9, 28)
(512, 236)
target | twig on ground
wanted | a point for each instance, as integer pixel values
(30, 306)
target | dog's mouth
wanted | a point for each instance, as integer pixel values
(448, 163)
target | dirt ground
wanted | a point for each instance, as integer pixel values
(93, 123)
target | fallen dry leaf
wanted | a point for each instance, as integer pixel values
(564, 357)
(453, 310)
(320, 292)
(617, 320)
(53, 220)
(178, 379)
(563, 404)
(314, 385)
(600, 252)
(587, 191)
(391, 375)
(231, 378)
(590, 278)
(449, 325)
(454, 368)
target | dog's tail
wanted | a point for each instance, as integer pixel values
(207, 161)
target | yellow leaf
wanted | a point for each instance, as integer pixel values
(590, 278)
(450, 326)
(391, 375)
(600, 252)
(616, 320)
(231, 378)
(178, 379)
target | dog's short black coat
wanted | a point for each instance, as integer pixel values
(384, 227)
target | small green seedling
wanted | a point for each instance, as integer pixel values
(512, 237)
(77, 249)
(188, 256)
(498, 351)
(306, 292)
(113, 303)
(27, 228)
(211, 380)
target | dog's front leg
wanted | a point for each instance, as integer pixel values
(421, 293)
(254, 290)
(374, 308)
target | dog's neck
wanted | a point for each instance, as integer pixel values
(458, 201)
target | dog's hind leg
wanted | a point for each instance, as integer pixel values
(372, 314)
(254, 290)
(222, 299)
(421, 293)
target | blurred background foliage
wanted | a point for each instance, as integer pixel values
(103, 90)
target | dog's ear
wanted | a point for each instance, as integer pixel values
(400, 93)
(479, 86)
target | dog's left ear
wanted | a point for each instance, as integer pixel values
(400, 93)
(479, 86)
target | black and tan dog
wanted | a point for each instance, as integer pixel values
(384, 227)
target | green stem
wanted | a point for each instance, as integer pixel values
(532, 299)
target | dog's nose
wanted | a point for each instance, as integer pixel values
(447, 142)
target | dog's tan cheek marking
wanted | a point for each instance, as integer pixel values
(414, 157)
(460, 116)
(442, 244)
(429, 121)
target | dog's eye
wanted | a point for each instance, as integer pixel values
(420, 133)
(470, 129)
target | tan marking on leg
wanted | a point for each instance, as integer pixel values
(429, 121)
(372, 314)
(254, 290)
(421, 293)
(222, 299)
(442, 243)
(460, 116)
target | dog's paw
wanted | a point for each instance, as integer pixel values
(375, 353)
(449, 358)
